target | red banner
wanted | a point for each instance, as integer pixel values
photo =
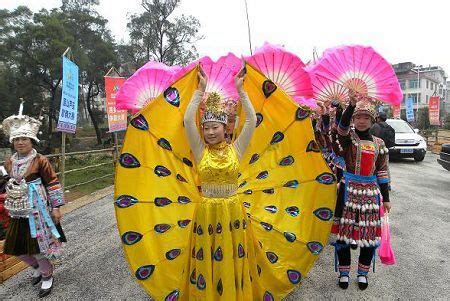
(433, 110)
(396, 112)
(117, 119)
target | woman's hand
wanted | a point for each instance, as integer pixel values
(56, 215)
(239, 79)
(387, 207)
(322, 108)
(353, 97)
(202, 79)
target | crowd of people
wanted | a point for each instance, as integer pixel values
(232, 252)
(259, 265)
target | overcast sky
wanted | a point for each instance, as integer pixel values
(400, 30)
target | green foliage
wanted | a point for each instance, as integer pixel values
(157, 35)
(89, 174)
(422, 121)
(31, 45)
(447, 121)
(97, 53)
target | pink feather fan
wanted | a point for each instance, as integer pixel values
(286, 70)
(354, 67)
(220, 74)
(147, 83)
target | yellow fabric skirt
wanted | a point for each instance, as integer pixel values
(222, 255)
(285, 187)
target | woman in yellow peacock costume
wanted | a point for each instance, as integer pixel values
(201, 219)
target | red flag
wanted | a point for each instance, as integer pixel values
(433, 110)
(117, 119)
(396, 112)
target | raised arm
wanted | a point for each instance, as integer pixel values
(195, 141)
(242, 142)
(344, 124)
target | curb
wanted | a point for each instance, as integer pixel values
(87, 199)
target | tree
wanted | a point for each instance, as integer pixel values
(31, 48)
(447, 121)
(156, 35)
(98, 55)
(423, 119)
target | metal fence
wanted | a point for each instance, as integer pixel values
(58, 161)
(435, 138)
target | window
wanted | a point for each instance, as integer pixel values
(413, 84)
(400, 126)
(415, 97)
(427, 83)
(402, 83)
(427, 98)
(431, 87)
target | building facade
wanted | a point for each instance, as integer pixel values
(420, 83)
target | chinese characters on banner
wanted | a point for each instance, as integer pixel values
(433, 110)
(117, 119)
(396, 112)
(67, 121)
(409, 110)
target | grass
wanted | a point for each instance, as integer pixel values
(88, 174)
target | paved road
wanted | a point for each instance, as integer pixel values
(93, 266)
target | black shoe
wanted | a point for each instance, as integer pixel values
(343, 284)
(46, 292)
(363, 285)
(36, 280)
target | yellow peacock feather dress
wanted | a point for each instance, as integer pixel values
(257, 241)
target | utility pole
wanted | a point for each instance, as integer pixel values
(248, 27)
(315, 56)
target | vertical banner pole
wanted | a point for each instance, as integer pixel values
(63, 142)
(117, 119)
(418, 95)
(63, 159)
(69, 105)
(116, 147)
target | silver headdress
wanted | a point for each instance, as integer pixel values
(21, 126)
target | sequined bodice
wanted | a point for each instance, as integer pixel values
(218, 171)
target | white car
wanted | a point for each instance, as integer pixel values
(408, 143)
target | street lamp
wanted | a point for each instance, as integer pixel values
(417, 70)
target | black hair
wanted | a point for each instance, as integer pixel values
(34, 143)
(382, 116)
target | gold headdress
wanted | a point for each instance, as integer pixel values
(365, 107)
(214, 110)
